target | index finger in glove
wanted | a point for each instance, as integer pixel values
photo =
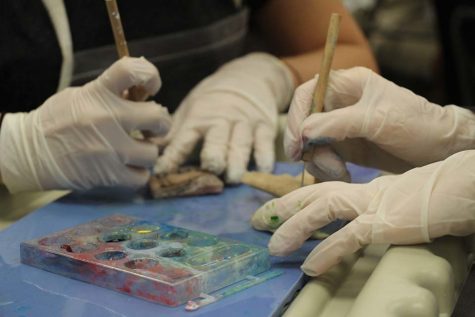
(145, 116)
(336, 125)
(298, 111)
(345, 241)
(130, 71)
(345, 204)
(345, 88)
(137, 153)
(178, 150)
(276, 211)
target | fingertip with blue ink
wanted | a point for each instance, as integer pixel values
(309, 143)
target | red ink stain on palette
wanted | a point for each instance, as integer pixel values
(154, 261)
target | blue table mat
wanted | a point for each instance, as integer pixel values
(28, 291)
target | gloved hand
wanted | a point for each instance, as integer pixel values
(79, 138)
(417, 206)
(233, 111)
(370, 121)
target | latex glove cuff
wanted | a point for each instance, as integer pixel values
(19, 165)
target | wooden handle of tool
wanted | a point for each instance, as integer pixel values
(117, 30)
(325, 65)
(324, 74)
(136, 93)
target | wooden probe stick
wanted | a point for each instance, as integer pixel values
(322, 82)
(136, 93)
(325, 66)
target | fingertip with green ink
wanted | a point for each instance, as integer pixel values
(274, 222)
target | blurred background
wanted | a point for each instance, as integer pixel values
(425, 45)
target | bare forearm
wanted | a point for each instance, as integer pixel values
(296, 32)
(305, 66)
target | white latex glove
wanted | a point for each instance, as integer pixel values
(370, 121)
(417, 206)
(234, 111)
(79, 138)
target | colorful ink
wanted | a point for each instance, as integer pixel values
(274, 222)
(153, 261)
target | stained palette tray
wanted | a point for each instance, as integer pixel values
(154, 261)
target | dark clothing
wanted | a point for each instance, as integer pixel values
(456, 19)
(186, 39)
(465, 306)
(30, 58)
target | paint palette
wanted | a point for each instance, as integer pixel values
(154, 261)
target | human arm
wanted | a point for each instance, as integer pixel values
(296, 32)
(234, 111)
(370, 121)
(79, 138)
(422, 204)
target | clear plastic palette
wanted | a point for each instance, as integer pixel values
(154, 261)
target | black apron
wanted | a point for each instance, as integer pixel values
(186, 39)
(30, 58)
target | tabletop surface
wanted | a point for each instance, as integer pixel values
(28, 291)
